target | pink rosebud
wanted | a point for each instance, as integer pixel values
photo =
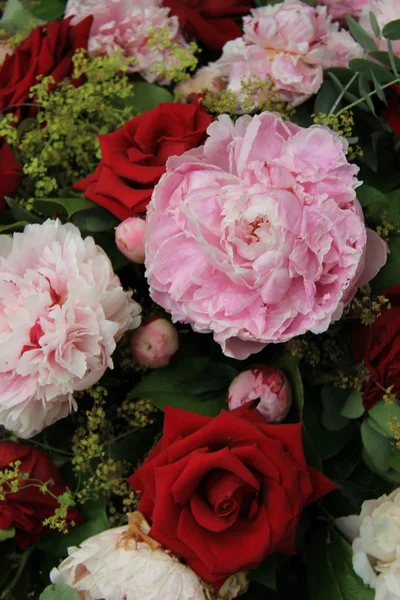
(206, 79)
(129, 238)
(266, 383)
(155, 342)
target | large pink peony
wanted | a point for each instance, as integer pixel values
(258, 236)
(338, 9)
(62, 309)
(385, 11)
(292, 43)
(128, 26)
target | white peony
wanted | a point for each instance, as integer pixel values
(376, 544)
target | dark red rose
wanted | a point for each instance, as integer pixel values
(27, 508)
(210, 21)
(134, 157)
(225, 492)
(392, 111)
(10, 173)
(379, 347)
(47, 51)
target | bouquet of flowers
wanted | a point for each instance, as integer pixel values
(199, 299)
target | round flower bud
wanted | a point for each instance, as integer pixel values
(129, 238)
(126, 564)
(206, 79)
(155, 342)
(267, 384)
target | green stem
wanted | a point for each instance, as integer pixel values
(342, 93)
(359, 100)
(47, 447)
(24, 559)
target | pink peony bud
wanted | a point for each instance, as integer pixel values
(155, 342)
(129, 238)
(266, 383)
(206, 79)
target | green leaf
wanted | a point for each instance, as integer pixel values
(7, 534)
(59, 591)
(394, 460)
(265, 573)
(360, 35)
(330, 570)
(96, 521)
(326, 98)
(69, 205)
(353, 407)
(363, 86)
(377, 446)
(12, 226)
(383, 414)
(147, 96)
(392, 58)
(216, 376)
(368, 195)
(94, 220)
(312, 457)
(390, 274)
(288, 364)
(333, 400)
(378, 88)
(16, 17)
(385, 59)
(20, 213)
(164, 388)
(391, 31)
(48, 10)
(374, 24)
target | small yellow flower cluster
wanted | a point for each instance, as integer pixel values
(11, 479)
(343, 125)
(58, 521)
(352, 380)
(365, 308)
(183, 59)
(256, 95)
(137, 412)
(386, 228)
(389, 396)
(304, 349)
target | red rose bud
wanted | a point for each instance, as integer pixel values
(129, 239)
(11, 173)
(154, 343)
(267, 384)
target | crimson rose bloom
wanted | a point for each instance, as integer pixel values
(379, 347)
(225, 492)
(10, 173)
(210, 21)
(47, 51)
(134, 157)
(29, 507)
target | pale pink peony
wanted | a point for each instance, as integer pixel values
(267, 384)
(128, 25)
(206, 79)
(62, 309)
(258, 235)
(338, 9)
(129, 238)
(291, 42)
(155, 343)
(385, 11)
(107, 566)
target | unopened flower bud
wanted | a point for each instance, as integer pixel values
(267, 384)
(129, 238)
(206, 79)
(155, 342)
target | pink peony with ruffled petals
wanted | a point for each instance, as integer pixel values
(62, 309)
(258, 236)
(338, 9)
(128, 25)
(291, 42)
(385, 11)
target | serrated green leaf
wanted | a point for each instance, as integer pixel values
(330, 570)
(361, 35)
(391, 31)
(59, 591)
(353, 407)
(374, 24)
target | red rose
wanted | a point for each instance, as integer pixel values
(210, 21)
(27, 508)
(225, 492)
(47, 51)
(392, 112)
(134, 157)
(10, 173)
(379, 347)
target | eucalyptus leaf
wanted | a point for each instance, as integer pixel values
(391, 31)
(333, 400)
(361, 35)
(326, 98)
(374, 24)
(16, 17)
(7, 534)
(59, 591)
(48, 10)
(377, 446)
(353, 407)
(384, 414)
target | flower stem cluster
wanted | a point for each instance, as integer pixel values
(183, 59)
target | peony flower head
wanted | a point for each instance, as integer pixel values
(121, 564)
(62, 309)
(129, 26)
(376, 544)
(258, 236)
(338, 9)
(385, 12)
(291, 43)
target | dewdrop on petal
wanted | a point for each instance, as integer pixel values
(155, 343)
(267, 384)
(126, 564)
